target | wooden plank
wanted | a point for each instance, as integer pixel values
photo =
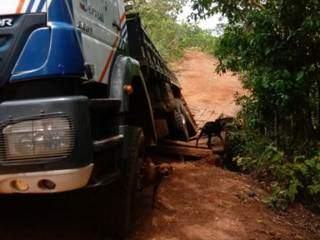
(218, 149)
(192, 144)
(184, 151)
(189, 151)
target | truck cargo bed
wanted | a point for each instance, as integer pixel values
(142, 49)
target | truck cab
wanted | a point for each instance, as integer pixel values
(56, 61)
(83, 92)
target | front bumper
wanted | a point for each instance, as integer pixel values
(32, 182)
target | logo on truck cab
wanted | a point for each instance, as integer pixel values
(6, 22)
(92, 10)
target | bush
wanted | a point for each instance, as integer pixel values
(290, 178)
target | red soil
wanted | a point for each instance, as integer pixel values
(203, 88)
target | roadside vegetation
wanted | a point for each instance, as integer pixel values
(274, 45)
(171, 38)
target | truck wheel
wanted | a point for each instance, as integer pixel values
(121, 219)
(181, 123)
(136, 150)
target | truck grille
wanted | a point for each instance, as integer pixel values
(3, 40)
(13, 39)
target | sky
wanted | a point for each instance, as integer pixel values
(210, 23)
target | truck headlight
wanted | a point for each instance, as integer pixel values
(41, 138)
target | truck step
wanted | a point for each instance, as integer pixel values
(105, 144)
(105, 104)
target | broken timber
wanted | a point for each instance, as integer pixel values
(188, 149)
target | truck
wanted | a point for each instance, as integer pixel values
(84, 95)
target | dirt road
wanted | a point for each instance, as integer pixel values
(202, 202)
(203, 88)
(197, 202)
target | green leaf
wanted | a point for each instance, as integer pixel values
(300, 75)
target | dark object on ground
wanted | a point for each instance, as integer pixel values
(212, 129)
(153, 175)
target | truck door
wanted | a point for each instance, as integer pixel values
(99, 21)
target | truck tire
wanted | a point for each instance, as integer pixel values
(180, 120)
(136, 150)
(119, 222)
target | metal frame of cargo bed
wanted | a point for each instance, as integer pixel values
(142, 49)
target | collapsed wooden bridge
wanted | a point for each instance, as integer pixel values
(188, 149)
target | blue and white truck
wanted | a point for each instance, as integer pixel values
(83, 93)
